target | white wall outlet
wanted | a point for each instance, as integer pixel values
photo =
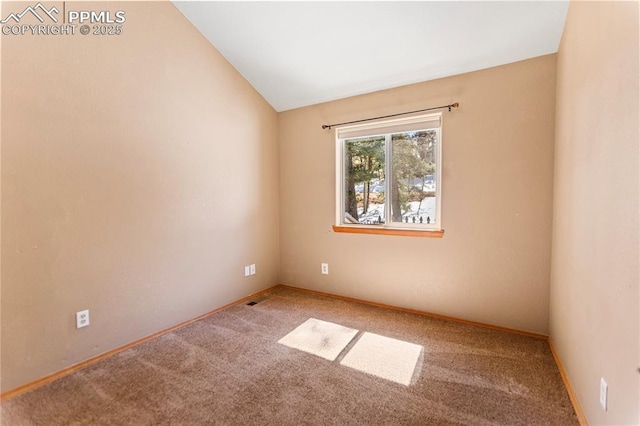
(252, 268)
(604, 389)
(324, 268)
(82, 319)
(247, 271)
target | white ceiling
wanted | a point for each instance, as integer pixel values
(302, 53)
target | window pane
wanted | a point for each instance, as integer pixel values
(413, 180)
(364, 194)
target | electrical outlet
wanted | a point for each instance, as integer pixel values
(604, 389)
(252, 268)
(247, 271)
(82, 319)
(325, 268)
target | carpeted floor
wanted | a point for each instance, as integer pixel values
(230, 369)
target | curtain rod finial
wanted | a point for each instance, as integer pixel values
(326, 126)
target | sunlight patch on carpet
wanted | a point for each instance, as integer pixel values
(321, 338)
(387, 358)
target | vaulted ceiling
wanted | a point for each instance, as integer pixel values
(302, 53)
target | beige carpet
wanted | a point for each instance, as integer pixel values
(230, 369)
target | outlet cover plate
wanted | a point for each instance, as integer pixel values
(604, 388)
(82, 318)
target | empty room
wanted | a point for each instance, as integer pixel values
(325, 213)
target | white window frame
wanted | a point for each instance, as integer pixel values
(387, 128)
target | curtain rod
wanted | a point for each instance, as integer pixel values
(453, 105)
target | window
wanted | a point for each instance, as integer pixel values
(388, 175)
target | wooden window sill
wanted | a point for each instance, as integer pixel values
(389, 231)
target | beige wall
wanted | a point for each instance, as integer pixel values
(493, 263)
(139, 176)
(595, 273)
